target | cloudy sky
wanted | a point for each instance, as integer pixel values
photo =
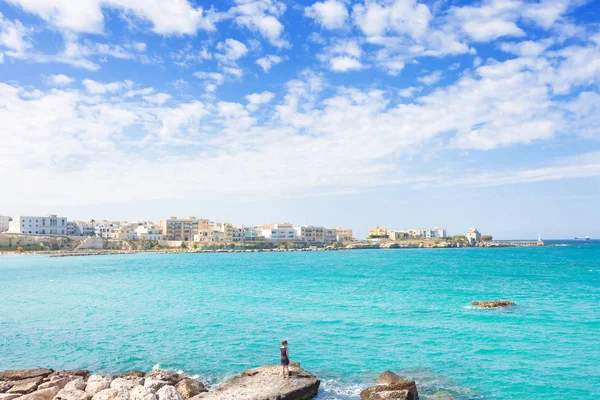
(336, 112)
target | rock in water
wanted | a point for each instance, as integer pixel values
(168, 392)
(388, 377)
(492, 303)
(189, 388)
(20, 374)
(266, 383)
(97, 383)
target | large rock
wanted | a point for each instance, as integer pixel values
(55, 381)
(97, 383)
(76, 384)
(189, 388)
(84, 373)
(406, 390)
(20, 374)
(153, 385)
(168, 392)
(72, 394)
(127, 384)
(389, 377)
(4, 386)
(132, 374)
(26, 385)
(160, 375)
(43, 394)
(112, 394)
(141, 393)
(493, 303)
(266, 383)
(9, 396)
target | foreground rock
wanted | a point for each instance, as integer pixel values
(391, 387)
(493, 303)
(20, 374)
(266, 383)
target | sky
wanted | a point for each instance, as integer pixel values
(351, 113)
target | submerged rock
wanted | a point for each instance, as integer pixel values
(266, 383)
(189, 388)
(492, 303)
(20, 374)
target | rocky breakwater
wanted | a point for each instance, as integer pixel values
(391, 386)
(267, 383)
(263, 383)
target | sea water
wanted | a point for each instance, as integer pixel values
(347, 315)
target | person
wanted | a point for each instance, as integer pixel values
(285, 358)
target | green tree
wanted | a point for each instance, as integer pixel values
(183, 245)
(486, 238)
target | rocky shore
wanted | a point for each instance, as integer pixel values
(262, 383)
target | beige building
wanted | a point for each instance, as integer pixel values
(310, 234)
(226, 229)
(343, 234)
(378, 231)
(180, 228)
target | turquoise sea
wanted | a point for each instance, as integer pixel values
(347, 316)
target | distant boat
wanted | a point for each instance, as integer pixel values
(585, 238)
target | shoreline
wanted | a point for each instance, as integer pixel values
(175, 250)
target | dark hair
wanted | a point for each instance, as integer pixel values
(283, 342)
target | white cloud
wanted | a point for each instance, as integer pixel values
(343, 56)
(86, 16)
(158, 98)
(331, 14)
(231, 51)
(1, 58)
(430, 79)
(255, 100)
(13, 35)
(139, 47)
(526, 48)
(261, 16)
(345, 64)
(93, 87)
(268, 61)
(59, 80)
(405, 17)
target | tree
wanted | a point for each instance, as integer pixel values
(195, 246)
(183, 245)
(486, 238)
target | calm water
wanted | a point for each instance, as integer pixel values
(347, 316)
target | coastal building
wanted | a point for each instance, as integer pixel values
(4, 223)
(378, 232)
(399, 235)
(277, 233)
(46, 225)
(180, 228)
(104, 229)
(147, 232)
(310, 234)
(252, 234)
(284, 225)
(430, 233)
(329, 235)
(73, 229)
(226, 229)
(343, 234)
(124, 232)
(86, 228)
(473, 236)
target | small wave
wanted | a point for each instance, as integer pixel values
(156, 367)
(335, 389)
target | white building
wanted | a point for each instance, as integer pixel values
(86, 228)
(73, 229)
(48, 225)
(280, 234)
(473, 236)
(4, 223)
(145, 232)
(104, 230)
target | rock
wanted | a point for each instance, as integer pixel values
(73, 394)
(266, 383)
(55, 381)
(9, 396)
(112, 394)
(153, 384)
(401, 390)
(168, 392)
(43, 394)
(132, 374)
(492, 303)
(141, 393)
(84, 373)
(127, 384)
(26, 385)
(189, 388)
(76, 384)
(4, 386)
(388, 377)
(160, 375)
(20, 374)
(97, 383)
(442, 395)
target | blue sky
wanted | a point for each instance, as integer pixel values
(348, 113)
